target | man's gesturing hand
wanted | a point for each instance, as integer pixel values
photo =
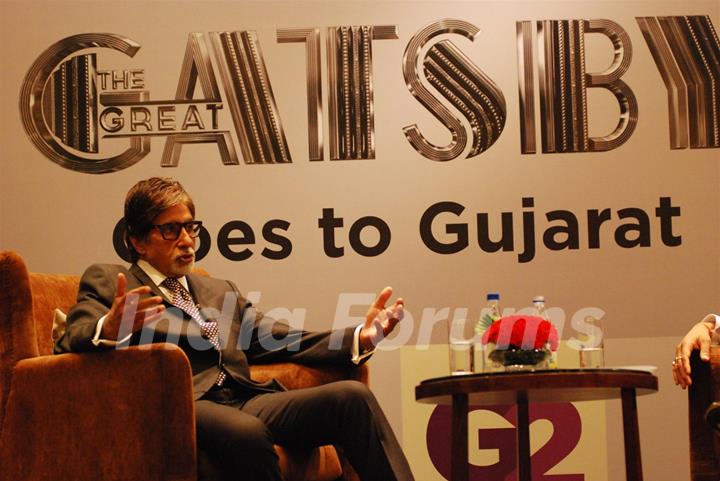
(128, 309)
(380, 320)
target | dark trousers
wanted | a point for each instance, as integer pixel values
(240, 433)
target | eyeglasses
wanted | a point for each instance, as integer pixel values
(171, 230)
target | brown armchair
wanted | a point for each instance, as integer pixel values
(704, 440)
(124, 414)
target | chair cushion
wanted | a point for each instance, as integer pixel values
(59, 324)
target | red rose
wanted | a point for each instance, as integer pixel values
(521, 332)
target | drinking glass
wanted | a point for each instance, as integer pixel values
(592, 349)
(461, 346)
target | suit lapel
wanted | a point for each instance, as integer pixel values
(200, 293)
(191, 327)
(144, 279)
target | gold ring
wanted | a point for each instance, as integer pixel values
(674, 363)
(679, 358)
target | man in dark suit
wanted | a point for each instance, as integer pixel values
(158, 299)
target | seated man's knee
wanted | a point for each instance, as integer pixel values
(251, 433)
(248, 439)
(353, 392)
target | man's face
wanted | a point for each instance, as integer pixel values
(173, 258)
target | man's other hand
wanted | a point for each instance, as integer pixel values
(381, 320)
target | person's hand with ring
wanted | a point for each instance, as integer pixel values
(698, 337)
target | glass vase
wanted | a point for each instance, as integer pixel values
(518, 359)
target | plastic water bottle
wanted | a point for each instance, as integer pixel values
(493, 305)
(490, 314)
(539, 306)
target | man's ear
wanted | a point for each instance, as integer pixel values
(138, 245)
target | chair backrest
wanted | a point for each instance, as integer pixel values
(17, 329)
(26, 310)
(50, 292)
(704, 441)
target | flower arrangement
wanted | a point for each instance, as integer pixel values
(519, 339)
(521, 332)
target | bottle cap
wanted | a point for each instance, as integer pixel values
(493, 296)
(538, 299)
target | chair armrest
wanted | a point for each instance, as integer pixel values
(112, 415)
(712, 416)
(715, 370)
(704, 442)
(295, 376)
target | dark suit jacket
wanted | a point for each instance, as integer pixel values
(245, 335)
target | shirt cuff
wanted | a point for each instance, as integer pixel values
(105, 342)
(717, 323)
(358, 357)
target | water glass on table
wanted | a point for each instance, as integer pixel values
(461, 345)
(592, 352)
